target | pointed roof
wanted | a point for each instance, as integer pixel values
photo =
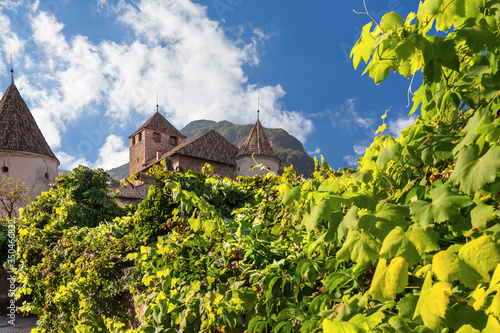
(18, 128)
(257, 142)
(159, 123)
(210, 146)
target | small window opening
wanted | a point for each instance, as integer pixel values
(156, 137)
(5, 169)
(47, 176)
(173, 140)
(133, 141)
(140, 136)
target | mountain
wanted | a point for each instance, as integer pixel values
(288, 149)
(119, 172)
(62, 172)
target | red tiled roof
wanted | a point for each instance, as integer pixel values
(210, 146)
(158, 123)
(132, 192)
(18, 128)
(256, 143)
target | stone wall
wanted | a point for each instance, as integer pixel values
(136, 153)
(195, 164)
(144, 150)
(245, 163)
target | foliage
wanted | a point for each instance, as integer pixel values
(13, 195)
(409, 242)
(60, 236)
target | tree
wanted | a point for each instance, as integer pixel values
(13, 195)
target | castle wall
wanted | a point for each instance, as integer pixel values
(245, 163)
(136, 154)
(36, 171)
(144, 150)
(195, 164)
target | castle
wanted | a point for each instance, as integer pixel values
(25, 156)
(158, 140)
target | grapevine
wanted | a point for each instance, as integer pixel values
(408, 242)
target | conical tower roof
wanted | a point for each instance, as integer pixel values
(18, 128)
(159, 123)
(257, 142)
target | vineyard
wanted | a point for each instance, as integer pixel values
(408, 242)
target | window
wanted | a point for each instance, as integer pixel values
(47, 176)
(133, 141)
(5, 169)
(173, 140)
(156, 137)
(140, 137)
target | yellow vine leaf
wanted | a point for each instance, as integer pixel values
(389, 280)
(433, 302)
(381, 129)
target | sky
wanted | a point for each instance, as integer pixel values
(92, 72)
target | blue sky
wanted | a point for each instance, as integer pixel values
(90, 71)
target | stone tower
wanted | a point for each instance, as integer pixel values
(256, 150)
(24, 153)
(152, 139)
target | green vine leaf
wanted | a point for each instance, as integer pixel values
(473, 171)
(359, 247)
(444, 206)
(291, 195)
(482, 214)
(412, 245)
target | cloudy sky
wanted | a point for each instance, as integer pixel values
(92, 71)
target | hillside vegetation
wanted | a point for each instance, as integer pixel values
(120, 172)
(409, 242)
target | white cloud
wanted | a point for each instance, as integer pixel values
(10, 4)
(10, 43)
(69, 162)
(360, 149)
(347, 117)
(316, 151)
(397, 126)
(351, 160)
(113, 153)
(170, 48)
